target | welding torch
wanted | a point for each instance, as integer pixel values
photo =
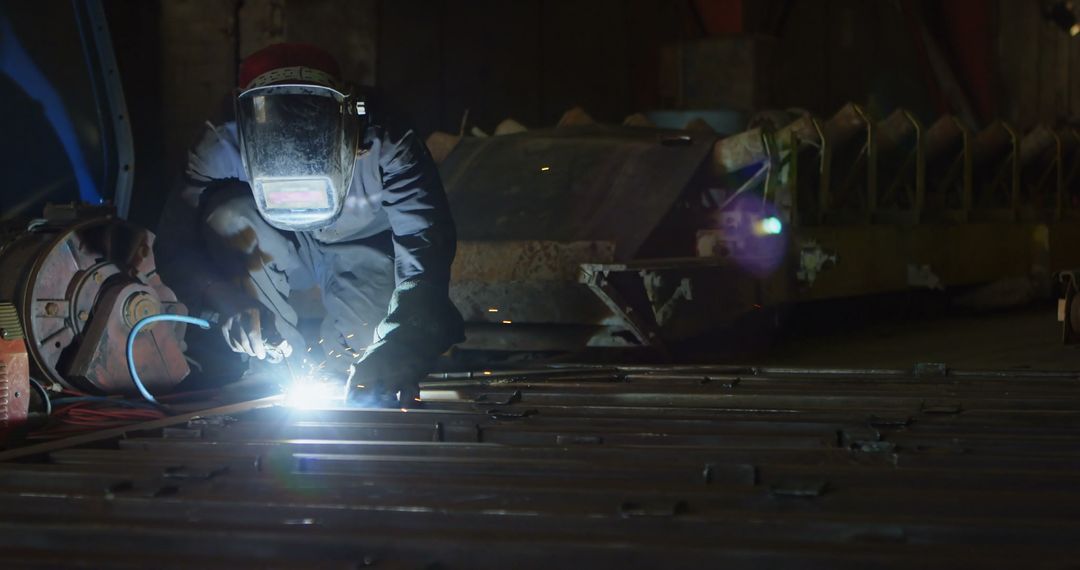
(276, 347)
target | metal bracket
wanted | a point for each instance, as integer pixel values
(1068, 313)
(665, 296)
(646, 332)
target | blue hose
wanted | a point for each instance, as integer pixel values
(131, 345)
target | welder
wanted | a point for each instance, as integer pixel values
(316, 184)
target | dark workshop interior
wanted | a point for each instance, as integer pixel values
(463, 284)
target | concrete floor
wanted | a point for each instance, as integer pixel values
(1028, 338)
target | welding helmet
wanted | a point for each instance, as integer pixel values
(299, 131)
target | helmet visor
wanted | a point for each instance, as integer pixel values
(298, 144)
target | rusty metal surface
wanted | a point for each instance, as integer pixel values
(591, 183)
(525, 295)
(526, 282)
(14, 377)
(502, 261)
(600, 467)
(77, 280)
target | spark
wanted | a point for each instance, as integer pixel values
(545, 168)
(493, 310)
(507, 322)
(307, 393)
(487, 373)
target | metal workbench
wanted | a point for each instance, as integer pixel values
(628, 467)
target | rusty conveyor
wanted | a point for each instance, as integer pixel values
(626, 237)
(628, 467)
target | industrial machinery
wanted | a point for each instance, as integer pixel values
(74, 281)
(626, 236)
(78, 281)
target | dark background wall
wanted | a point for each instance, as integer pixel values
(534, 59)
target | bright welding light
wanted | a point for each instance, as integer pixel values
(307, 393)
(770, 226)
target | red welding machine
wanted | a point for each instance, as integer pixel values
(77, 281)
(14, 371)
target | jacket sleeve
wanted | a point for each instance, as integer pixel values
(179, 250)
(421, 316)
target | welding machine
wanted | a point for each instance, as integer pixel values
(14, 371)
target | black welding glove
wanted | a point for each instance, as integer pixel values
(420, 325)
(387, 376)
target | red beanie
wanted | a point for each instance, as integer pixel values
(289, 63)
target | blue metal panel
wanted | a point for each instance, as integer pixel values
(66, 135)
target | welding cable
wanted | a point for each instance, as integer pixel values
(88, 413)
(103, 400)
(131, 345)
(44, 395)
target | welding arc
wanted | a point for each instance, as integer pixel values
(131, 344)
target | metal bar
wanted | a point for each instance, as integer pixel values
(112, 433)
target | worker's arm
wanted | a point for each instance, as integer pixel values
(181, 252)
(421, 322)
